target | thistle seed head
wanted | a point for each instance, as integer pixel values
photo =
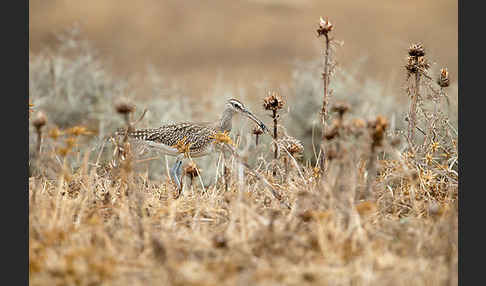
(257, 130)
(417, 64)
(377, 130)
(416, 50)
(325, 27)
(443, 80)
(191, 170)
(273, 101)
(341, 108)
(40, 120)
(293, 146)
(123, 106)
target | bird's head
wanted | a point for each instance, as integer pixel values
(238, 107)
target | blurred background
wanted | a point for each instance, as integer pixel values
(182, 59)
(245, 41)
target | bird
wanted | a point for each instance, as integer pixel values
(197, 137)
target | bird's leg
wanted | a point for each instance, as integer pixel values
(176, 174)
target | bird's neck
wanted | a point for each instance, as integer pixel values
(225, 122)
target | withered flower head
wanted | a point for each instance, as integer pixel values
(341, 108)
(377, 130)
(191, 170)
(443, 80)
(293, 146)
(123, 106)
(423, 63)
(417, 64)
(273, 101)
(78, 130)
(40, 120)
(257, 130)
(411, 65)
(222, 137)
(54, 133)
(325, 27)
(416, 50)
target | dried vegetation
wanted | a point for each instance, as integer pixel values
(382, 212)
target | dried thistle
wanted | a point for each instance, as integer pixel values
(334, 131)
(257, 131)
(416, 50)
(292, 145)
(417, 65)
(377, 130)
(325, 27)
(182, 147)
(222, 137)
(443, 79)
(341, 108)
(123, 106)
(273, 101)
(78, 130)
(54, 133)
(192, 171)
(39, 121)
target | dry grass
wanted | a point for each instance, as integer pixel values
(384, 212)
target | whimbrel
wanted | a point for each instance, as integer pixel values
(197, 136)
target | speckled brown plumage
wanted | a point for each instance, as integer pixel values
(199, 135)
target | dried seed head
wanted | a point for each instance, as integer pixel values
(423, 63)
(416, 50)
(183, 147)
(341, 108)
(54, 133)
(333, 132)
(411, 65)
(220, 241)
(377, 130)
(123, 106)
(222, 137)
(40, 120)
(78, 130)
(273, 101)
(191, 170)
(443, 80)
(325, 27)
(332, 154)
(257, 130)
(292, 145)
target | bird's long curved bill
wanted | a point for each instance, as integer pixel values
(257, 121)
